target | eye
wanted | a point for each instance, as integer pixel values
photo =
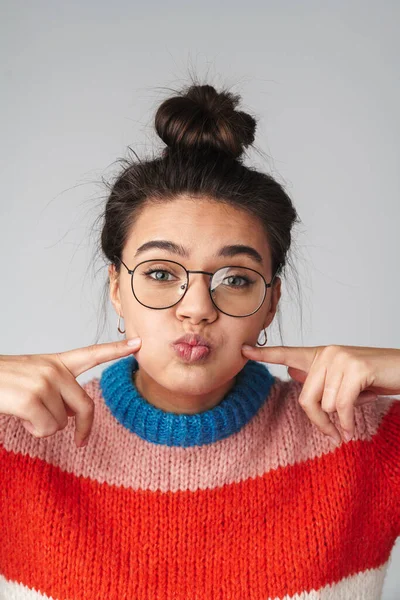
(151, 271)
(247, 281)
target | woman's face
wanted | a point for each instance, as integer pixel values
(201, 227)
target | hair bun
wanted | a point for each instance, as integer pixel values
(200, 116)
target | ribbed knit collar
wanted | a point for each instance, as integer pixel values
(155, 425)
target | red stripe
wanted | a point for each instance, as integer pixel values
(294, 529)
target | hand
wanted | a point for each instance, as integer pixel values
(336, 378)
(41, 390)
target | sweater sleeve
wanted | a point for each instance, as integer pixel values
(387, 441)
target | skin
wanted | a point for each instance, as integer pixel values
(336, 379)
(200, 225)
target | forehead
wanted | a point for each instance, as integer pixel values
(200, 225)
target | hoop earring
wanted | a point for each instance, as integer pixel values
(118, 324)
(263, 344)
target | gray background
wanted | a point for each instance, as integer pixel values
(80, 83)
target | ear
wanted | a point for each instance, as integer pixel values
(275, 297)
(114, 289)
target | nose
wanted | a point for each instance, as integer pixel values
(196, 300)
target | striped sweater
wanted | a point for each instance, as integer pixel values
(245, 501)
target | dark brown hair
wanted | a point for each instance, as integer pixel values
(205, 137)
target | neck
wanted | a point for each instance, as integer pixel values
(158, 426)
(181, 403)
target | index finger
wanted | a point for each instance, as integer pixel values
(299, 357)
(79, 360)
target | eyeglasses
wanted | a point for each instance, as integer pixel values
(227, 296)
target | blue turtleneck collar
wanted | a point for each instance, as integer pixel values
(153, 424)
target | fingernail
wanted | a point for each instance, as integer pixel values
(347, 436)
(336, 441)
(246, 347)
(134, 341)
(83, 442)
(29, 427)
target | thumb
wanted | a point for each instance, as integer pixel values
(79, 360)
(297, 374)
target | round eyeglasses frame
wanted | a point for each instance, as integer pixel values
(267, 285)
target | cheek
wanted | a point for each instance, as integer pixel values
(140, 320)
(247, 333)
(158, 328)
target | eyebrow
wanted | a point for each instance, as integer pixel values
(225, 251)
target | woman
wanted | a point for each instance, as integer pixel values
(198, 473)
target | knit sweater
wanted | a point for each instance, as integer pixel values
(246, 501)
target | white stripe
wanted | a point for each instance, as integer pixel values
(362, 586)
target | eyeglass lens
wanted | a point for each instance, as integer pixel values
(237, 291)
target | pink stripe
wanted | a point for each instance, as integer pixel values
(280, 434)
